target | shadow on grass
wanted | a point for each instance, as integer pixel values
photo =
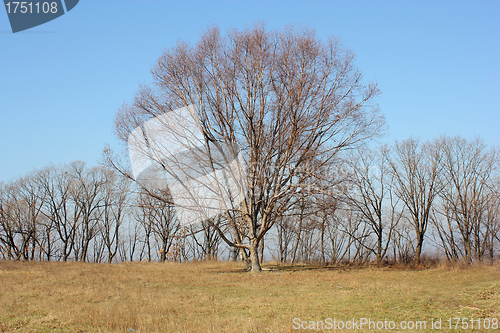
(239, 267)
(280, 267)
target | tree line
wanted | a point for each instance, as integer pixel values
(388, 203)
(266, 137)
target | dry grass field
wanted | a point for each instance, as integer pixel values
(221, 297)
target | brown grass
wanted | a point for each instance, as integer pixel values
(221, 297)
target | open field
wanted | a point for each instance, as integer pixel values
(220, 296)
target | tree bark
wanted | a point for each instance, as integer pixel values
(254, 256)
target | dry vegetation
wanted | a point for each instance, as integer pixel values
(220, 296)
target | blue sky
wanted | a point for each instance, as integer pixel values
(436, 63)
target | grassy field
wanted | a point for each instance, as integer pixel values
(221, 297)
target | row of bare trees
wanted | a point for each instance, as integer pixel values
(58, 213)
(77, 213)
(392, 203)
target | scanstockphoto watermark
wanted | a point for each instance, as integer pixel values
(446, 324)
(357, 324)
(25, 15)
(204, 178)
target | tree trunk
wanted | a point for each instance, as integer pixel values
(379, 247)
(468, 245)
(418, 249)
(261, 255)
(323, 257)
(254, 256)
(296, 246)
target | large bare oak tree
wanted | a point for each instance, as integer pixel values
(286, 99)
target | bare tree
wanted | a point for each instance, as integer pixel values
(158, 220)
(21, 206)
(416, 170)
(446, 232)
(146, 223)
(208, 243)
(403, 242)
(312, 211)
(491, 224)
(301, 210)
(57, 185)
(340, 235)
(113, 211)
(373, 197)
(328, 207)
(283, 98)
(469, 196)
(9, 235)
(87, 195)
(285, 229)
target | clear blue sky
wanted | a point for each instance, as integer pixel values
(436, 62)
